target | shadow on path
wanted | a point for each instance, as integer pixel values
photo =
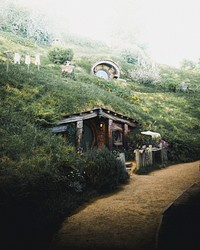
(180, 227)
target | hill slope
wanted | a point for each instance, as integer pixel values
(43, 97)
(41, 178)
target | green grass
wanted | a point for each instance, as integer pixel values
(37, 167)
(32, 101)
(46, 96)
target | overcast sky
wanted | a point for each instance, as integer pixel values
(169, 28)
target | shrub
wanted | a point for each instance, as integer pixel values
(183, 150)
(145, 75)
(103, 170)
(60, 55)
(130, 57)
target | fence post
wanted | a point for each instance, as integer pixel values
(137, 158)
(150, 155)
(162, 153)
(79, 133)
(8, 53)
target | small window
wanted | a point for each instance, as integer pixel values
(117, 137)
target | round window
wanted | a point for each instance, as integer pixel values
(102, 74)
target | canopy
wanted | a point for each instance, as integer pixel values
(152, 134)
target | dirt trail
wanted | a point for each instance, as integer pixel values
(129, 218)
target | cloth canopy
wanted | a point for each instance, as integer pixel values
(152, 134)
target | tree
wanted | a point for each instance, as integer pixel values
(25, 23)
(135, 55)
(145, 75)
(188, 64)
(60, 55)
(130, 57)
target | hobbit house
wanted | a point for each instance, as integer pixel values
(97, 127)
(106, 69)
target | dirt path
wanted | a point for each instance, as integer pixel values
(129, 218)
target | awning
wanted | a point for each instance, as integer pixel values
(152, 134)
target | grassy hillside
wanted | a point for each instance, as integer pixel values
(40, 176)
(45, 96)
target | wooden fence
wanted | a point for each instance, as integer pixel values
(148, 156)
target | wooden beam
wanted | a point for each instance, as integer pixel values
(59, 129)
(125, 133)
(110, 139)
(115, 118)
(79, 133)
(78, 118)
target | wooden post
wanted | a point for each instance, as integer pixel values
(162, 153)
(79, 133)
(110, 139)
(143, 156)
(65, 137)
(101, 135)
(37, 61)
(7, 63)
(125, 132)
(137, 158)
(8, 58)
(150, 155)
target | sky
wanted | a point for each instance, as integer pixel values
(169, 29)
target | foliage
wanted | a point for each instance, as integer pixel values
(130, 57)
(44, 104)
(60, 55)
(103, 170)
(84, 64)
(187, 64)
(145, 75)
(171, 78)
(39, 169)
(25, 23)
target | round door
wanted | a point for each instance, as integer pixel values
(102, 74)
(87, 137)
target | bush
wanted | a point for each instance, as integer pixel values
(183, 151)
(25, 23)
(130, 57)
(103, 170)
(145, 75)
(60, 55)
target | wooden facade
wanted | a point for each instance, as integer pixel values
(98, 127)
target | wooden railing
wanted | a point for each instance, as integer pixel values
(148, 156)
